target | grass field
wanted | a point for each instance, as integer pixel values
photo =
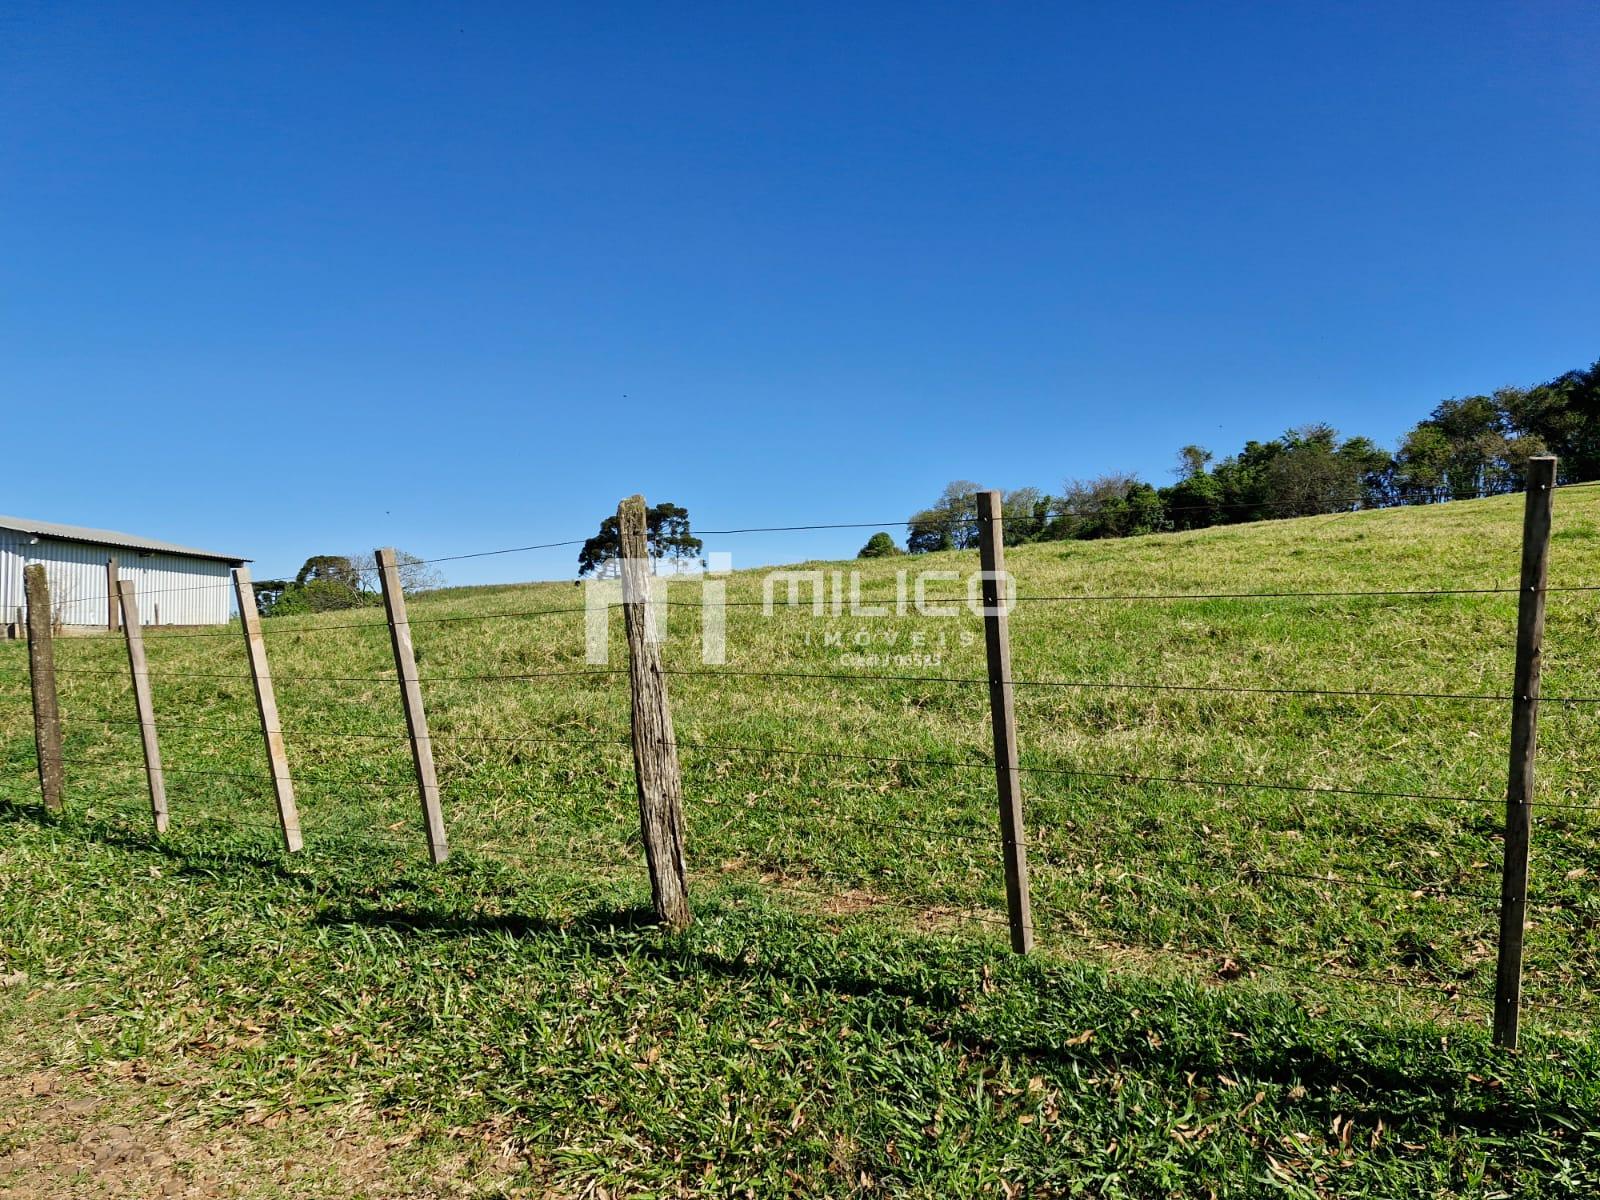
(1240, 990)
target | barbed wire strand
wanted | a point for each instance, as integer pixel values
(984, 764)
(271, 628)
(407, 788)
(855, 677)
(1363, 499)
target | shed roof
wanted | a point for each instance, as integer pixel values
(109, 537)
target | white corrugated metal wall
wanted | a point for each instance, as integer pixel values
(172, 587)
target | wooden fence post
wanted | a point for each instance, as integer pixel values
(1003, 718)
(1537, 506)
(111, 595)
(405, 661)
(267, 706)
(134, 634)
(655, 750)
(42, 677)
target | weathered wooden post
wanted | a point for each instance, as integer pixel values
(111, 595)
(267, 706)
(1536, 511)
(134, 634)
(405, 661)
(655, 750)
(42, 677)
(1003, 718)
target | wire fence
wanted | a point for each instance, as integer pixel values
(1139, 847)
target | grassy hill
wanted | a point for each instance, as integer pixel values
(1240, 989)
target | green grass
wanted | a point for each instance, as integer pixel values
(844, 1017)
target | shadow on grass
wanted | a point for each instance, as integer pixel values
(1399, 1074)
(597, 930)
(108, 831)
(597, 922)
(1404, 1093)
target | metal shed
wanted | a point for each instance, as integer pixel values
(175, 585)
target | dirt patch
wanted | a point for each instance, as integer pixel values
(817, 896)
(152, 1129)
(67, 1135)
(848, 903)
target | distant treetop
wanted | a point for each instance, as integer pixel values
(667, 535)
(880, 545)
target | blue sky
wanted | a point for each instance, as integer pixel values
(287, 279)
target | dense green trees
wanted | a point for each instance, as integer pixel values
(329, 582)
(952, 522)
(325, 582)
(1564, 415)
(1466, 447)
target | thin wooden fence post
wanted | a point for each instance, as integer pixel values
(1003, 718)
(42, 677)
(267, 706)
(655, 749)
(1536, 512)
(111, 595)
(405, 661)
(134, 634)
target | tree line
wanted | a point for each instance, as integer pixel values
(1464, 449)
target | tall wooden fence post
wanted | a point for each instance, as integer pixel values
(1537, 506)
(405, 661)
(111, 595)
(1003, 718)
(655, 750)
(267, 706)
(42, 677)
(140, 668)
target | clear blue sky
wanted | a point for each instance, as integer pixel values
(291, 278)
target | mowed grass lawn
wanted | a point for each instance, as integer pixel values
(1239, 989)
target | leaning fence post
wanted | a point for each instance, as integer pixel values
(405, 661)
(267, 706)
(42, 677)
(140, 669)
(1524, 740)
(1003, 717)
(655, 750)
